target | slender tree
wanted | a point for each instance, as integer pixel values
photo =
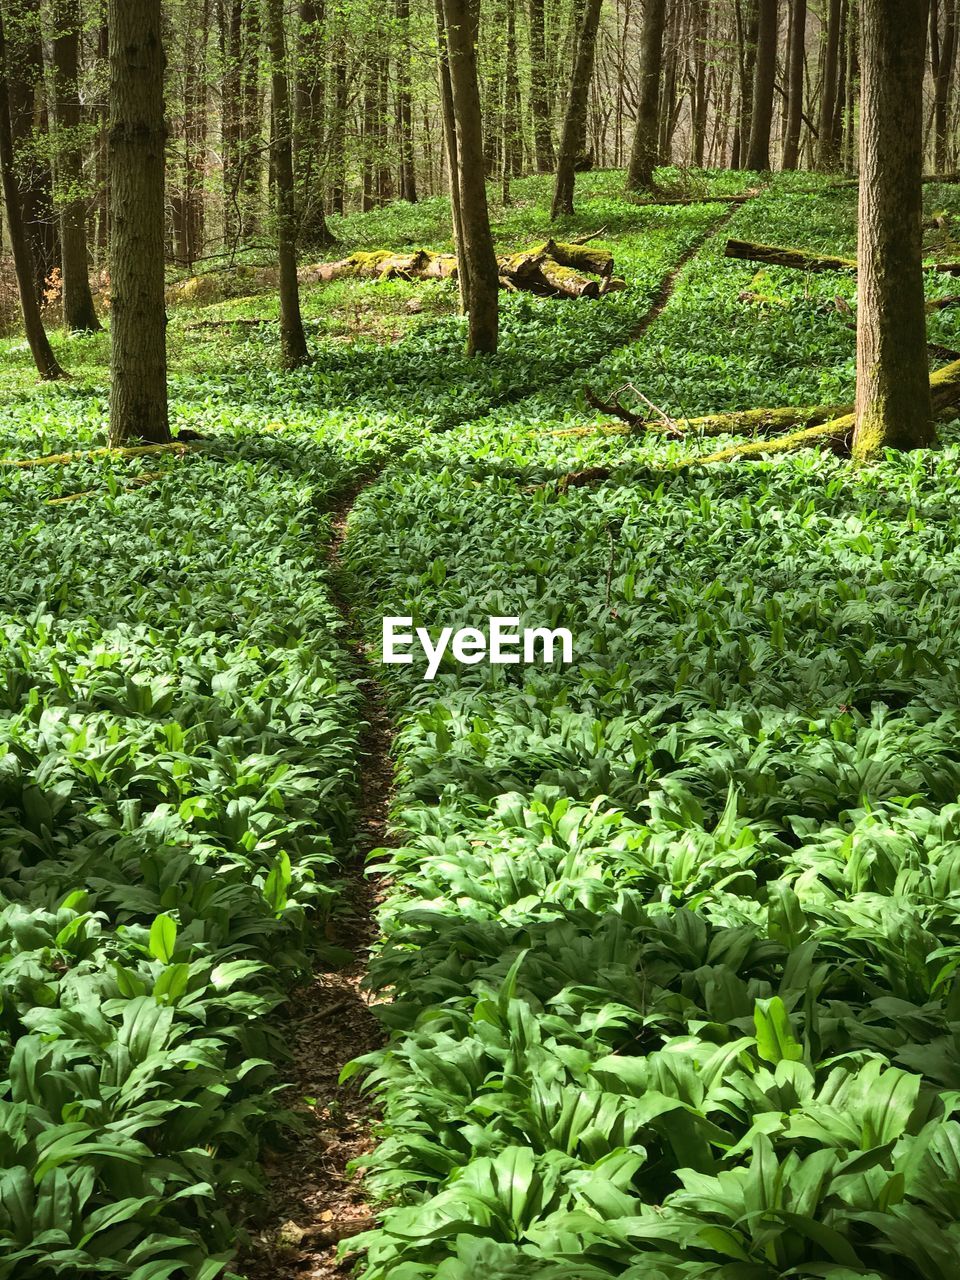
(764, 82)
(574, 133)
(461, 22)
(539, 90)
(138, 359)
(646, 146)
(794, 114)
(893, 389)
(293, 340)
(79, 313)
(826, 139)
(943, 57)
(43, 356)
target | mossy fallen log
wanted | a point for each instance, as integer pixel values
(772, 255)
(837, 433)
(554, 269)
(126, 451)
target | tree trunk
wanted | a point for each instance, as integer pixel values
(747, 35)
(798, 48)
(700, 102)
(310, 123)
(138, 358)
(539, 100)
(764, 80)
(28, 120)
(452, 150)
(338, 151)
(79, 314)
(574, 133)
(646, 139)
(232, 116)
(408, 177)
(893, 391)
(826, 143)
(943, 55)
(461, 25)
(251, 124)
(293, 341)
(43, 356)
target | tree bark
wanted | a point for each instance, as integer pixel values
(893, 391)
(943, 56)
(539, 101)
(798, 43)
(764, 80)
(461, 21)
(79, 313)
(574, 132)
(646, 139)
(452, 150)
(293, 341)
(138, 358)
(408, 177)
(826, 141)
(43, 356)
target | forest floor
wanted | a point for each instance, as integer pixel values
(654, 972)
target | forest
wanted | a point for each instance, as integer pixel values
(479, 692)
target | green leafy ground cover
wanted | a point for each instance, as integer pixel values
(673, 932)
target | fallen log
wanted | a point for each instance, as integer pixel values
(800, 259)
(836, 434)
(803, 260)
(555, 269)
(740, 198)
(757, 422)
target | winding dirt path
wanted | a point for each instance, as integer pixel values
(313, 1202)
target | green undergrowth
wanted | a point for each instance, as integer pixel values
(673, 934)
(178, 726)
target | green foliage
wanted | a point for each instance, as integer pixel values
(673, 940)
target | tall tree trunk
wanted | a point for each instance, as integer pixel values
(943, 56)
(293, 341)
(79, 314)
(646, 139)
(539, 96)
(747, 17)
(798, 45)
(893, 388)
(43, 356)
(311, 124)
(849, 116)
(574, 132)
(338, 150)
(408, 177)
(28, 119)
(452, 151)
(700, 20)
(251, 125)
(232, 116)
(826, 143)
(461, 21)
(764, 80)
(371, 81)
(138, 356)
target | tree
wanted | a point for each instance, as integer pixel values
(461, 21)
(794, 115)
(826, 140)
(137, 139)
(646, 147)
(40, 348)
(574, 134)
(293, 340)
(539, 98)
(764, 82)
(79, 313)
(893, 390)
(943, 56)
